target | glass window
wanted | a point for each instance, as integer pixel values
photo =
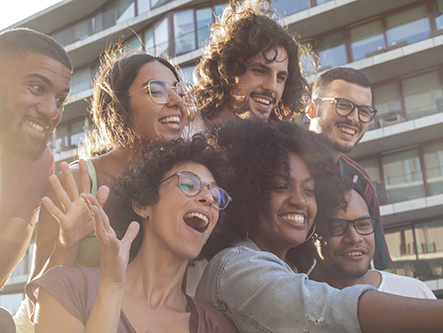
(388, 104)
(402, 176)
(366, 38)
(430, 249)
(81, 80)
(284, 7)
(134, 43)
(156, 3)
(161, 33)
(332, 51)
(184, 32)
(423, 95)
(149, 41)
(143, 6)
(77, 131)
(319, 2)
(187, 73)
(218, 9)
(62, 138)
(125, 10)
(433, 157)
(411, 25)
(400, 243)
(109, 16)
(371, 166)
(204, 21)
(438, 14)
(97, 23)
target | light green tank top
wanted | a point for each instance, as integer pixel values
(89, 252)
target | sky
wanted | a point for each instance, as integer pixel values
(13, 11)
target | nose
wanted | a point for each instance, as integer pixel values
(270, 83)
(175, 100)
(352, 236)
(49, 109)
(353, 116)
(205, 197)
(297, 199)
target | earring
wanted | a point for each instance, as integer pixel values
(312, 234)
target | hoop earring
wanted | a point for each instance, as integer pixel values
(312, 234)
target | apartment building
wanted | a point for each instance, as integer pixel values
(397, 44)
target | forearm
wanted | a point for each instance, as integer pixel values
(381, 312)
(61, 256)
(105, 314)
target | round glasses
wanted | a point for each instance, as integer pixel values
(160, 91)
(364, 226)
(344, 107)
(191, 185)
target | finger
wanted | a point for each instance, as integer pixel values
(131, 232)
(102, 195)
(104, 218)
(54, 210)
(70, 184)
(85, 180)
(62, 196)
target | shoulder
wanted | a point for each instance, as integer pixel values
(404, 286)
(210, 319)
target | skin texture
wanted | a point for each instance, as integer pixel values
(325, 120)
(148, 290)
(292, 210)
(32, 93)
(150, 120)
(262, 80)
(344, 260)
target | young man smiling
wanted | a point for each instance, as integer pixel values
(345, 246)
(340, 108)
(250, 67)
(35, 75)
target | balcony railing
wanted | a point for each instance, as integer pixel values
(429, 266)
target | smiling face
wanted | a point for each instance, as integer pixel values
(32, 93)
(178, 223)
(291, 212)
(345, 258)
(344, 132)
(150, 119)
(261, 86)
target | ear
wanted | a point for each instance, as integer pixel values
(310, 109)
(142, 211)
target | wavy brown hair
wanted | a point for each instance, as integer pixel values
(112, 121)
(242, 32)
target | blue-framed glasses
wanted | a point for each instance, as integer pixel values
(191, 185)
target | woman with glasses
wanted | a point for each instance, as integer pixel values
(282, 178)
(167, 204)
(136, 98)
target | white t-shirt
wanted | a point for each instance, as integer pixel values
(404, 286)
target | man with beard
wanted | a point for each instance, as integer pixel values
(250, 67)
(340, 108)
(345, 246)
(35, 75)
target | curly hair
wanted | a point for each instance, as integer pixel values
(109, 109)
(139, 183)
(256, 150)
(241, 33)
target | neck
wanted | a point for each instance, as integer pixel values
(263, 246)
(372, 278)
(5, 159)
(335, 155)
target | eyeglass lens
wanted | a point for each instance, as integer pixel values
(363, 226)
(344, 107)
(192, 186)
(160, 92)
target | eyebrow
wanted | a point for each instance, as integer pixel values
(45, 79)
(266, 67)
(288, 177)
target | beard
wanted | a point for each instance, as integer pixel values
(326, 128)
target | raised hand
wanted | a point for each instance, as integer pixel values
(75, 220)
(114, 253)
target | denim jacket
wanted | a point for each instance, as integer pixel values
(260, 293)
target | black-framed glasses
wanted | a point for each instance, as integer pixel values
(364, 226)
(161, 91)
(191, 185)
(344, 107)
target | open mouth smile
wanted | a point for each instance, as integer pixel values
(173, 121)
(196, 221)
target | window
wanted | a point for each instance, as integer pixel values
(402, 176)
(400, 243)
(157, 3)
(218, 9)
(149, 41)
(411, 25)
(371, 167)
(284, 7)
(125, 10)
(366, 38)
(134, 43)
(433, 157)
(204, 21)
(161, 33)
(388, 104)
(81, 80)
(143, 6)
(187, 73)
(439, 14)
(332, 51)
(184, 32)
(422, 94)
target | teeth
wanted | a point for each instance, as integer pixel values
(294, 218)
(347, 130)
(200, 216)
(173, 119)
(261, 100)
(34, 125)
(355, 253)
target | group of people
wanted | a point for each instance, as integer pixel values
(264, 200)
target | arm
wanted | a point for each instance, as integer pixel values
(105, 313)
(14, 240)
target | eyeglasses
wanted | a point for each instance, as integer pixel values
(160, 92)
(191, 185)
(344, 107)
(364, 226)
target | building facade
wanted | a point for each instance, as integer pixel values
(397, 44)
